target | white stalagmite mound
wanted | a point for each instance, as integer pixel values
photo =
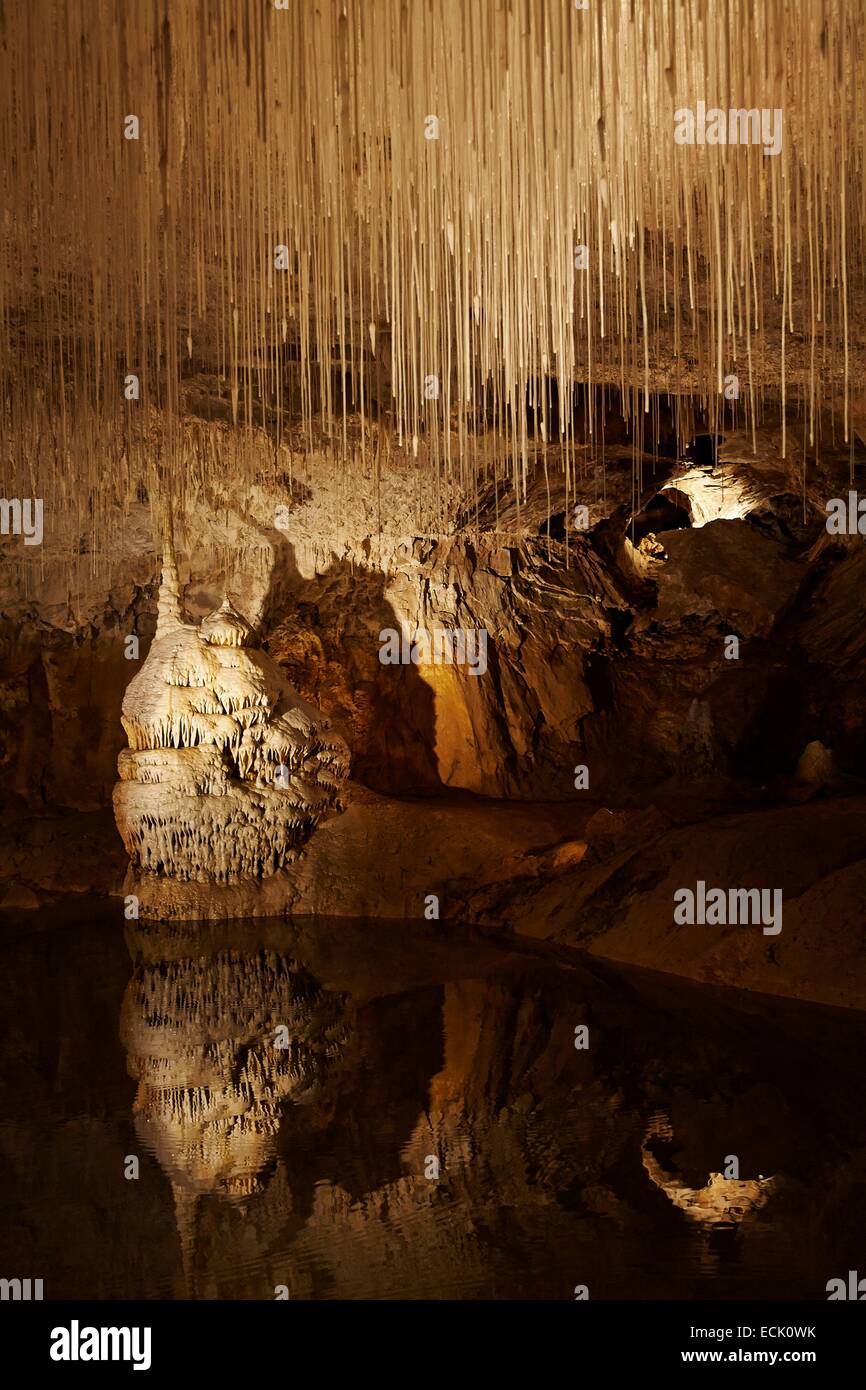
(228, 770)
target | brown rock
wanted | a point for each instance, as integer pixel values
(18, 898)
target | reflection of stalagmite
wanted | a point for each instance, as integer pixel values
(228, 771)
(219, 1048)
(186, 1219)
(722, 1201)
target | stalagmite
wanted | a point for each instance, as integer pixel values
(228, 771)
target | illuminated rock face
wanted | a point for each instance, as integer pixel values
(228, 771)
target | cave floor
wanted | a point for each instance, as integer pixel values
(577, 874)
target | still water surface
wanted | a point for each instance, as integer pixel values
(382, 1110)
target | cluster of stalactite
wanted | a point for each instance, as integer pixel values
(433, 213)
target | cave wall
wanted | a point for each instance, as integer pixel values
(594, 656)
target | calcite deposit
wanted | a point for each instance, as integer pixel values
(228, 771)
(722, 1201)
(219, 1049)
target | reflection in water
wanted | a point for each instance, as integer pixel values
(219, 1047)
(721, 1201)
(718, 1208)
(429, 1130)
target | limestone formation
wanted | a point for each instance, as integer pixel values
(816, 767)
(721, 1201)
(228, 771)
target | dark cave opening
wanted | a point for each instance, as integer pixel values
(601, 413)
(661, 513)
(703, 450)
